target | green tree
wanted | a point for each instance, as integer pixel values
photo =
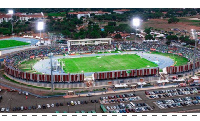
(172, 37)
(103, 34)
(111, 23)
(147, 30)
(118, 36)
(173, 20)
(149, 37)
(168, 42)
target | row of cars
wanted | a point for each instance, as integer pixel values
(172, 92)
(178, 102)
(82, 111)
(119, 98)
(45, 106)
(128, 108)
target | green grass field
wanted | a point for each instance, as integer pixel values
(11, 43)
(177, 59)
(105, 63)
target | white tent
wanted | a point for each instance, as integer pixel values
(178, 80)
(165, 80)
(121, 85)
(159, 81)
(141, 83)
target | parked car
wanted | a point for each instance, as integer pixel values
(2, 109)
(48, 106)
(89, 95)
(39, 106)
(7, 109)
(72, 103)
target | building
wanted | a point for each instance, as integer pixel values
(96, 41)
(83, 42)
(21, 16)
(26, 17)
(87, 13)
(123, 35)
(121, 11)
(4, 17)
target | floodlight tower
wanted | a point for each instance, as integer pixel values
(194, 34)
(40, 27)
(11, 12)
(136, 23)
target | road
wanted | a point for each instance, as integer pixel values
(13, 99)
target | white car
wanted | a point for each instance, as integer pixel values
(7, 109)
(78, 102)
(48, 106)
(75, 102)
(89, 95)
(2, 109)
(22, 108)
(117, 111)
(108, 107)
(72, 103)
(39, 106)
(26, 93)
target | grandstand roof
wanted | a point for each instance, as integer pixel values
(92, 39)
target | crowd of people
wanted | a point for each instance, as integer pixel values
(90, 48)
(179, 50)
(14, 59)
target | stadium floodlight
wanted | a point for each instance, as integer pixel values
(194, 34)
(10, 12)
(136, 22)
(42, 14)
(40, 25)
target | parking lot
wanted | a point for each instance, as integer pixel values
(31, 104)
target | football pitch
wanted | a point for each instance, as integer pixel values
(105, 63)
(11, 43)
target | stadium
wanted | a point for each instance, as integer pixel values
(98, 62)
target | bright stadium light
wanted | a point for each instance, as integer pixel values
(194, 34)
(136, 22)
(10, 12)
(40, 25)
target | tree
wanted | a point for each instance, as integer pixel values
(147, 30)
(172, 37)
(118, 36)
(173, 20)
(94, 34)
(168, 42)
(109, 29)
(111, 23)
(149, 37)
(103, 34)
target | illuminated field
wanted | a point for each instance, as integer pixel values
(105, 63)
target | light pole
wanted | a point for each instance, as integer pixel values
(11, 13)
(136, 23)
(51, 54)
(194, 34)
(40, 27)
(68, 108)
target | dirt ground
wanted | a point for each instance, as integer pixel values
(162, 24)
